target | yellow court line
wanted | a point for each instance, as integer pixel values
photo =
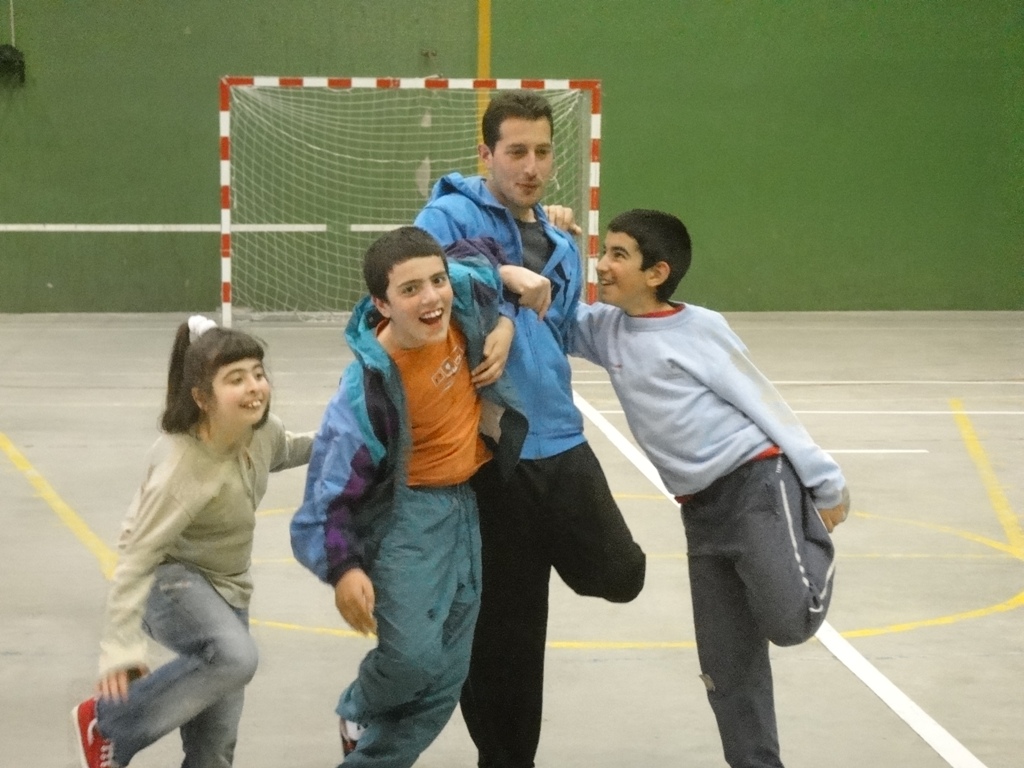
(999, 546)
(1007, 605)
(106, 556)
(331, 631)
(1009, 521)
(275, 511)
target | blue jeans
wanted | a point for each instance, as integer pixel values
(201, 691)
(761, 567)
(426, 578)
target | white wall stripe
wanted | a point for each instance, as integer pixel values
(158, 228)
(278, 227)
(82, 228)
(374, 227)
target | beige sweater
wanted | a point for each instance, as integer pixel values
(196, 507)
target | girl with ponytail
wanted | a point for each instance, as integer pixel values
(184, 553)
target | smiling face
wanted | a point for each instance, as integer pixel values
(623, 282)
(418, 304)
(520, 164)
(241, 398)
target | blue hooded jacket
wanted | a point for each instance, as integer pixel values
(462, 207)
(361, 449)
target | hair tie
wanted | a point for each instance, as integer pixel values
(198, 325)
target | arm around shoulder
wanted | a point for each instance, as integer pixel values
(291, 449)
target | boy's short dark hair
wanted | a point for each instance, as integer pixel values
(526, 105)
(660, 236)
(391, 249)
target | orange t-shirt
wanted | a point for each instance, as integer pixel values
(444, 412)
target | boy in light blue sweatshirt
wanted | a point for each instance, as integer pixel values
(758, 496)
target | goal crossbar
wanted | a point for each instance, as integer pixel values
(312, 168)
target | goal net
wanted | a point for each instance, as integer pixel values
(314, 169)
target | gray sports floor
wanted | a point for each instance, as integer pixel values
(921, 666)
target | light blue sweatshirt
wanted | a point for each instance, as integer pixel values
(694, 401)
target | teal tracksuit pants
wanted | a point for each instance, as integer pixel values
(426, 579)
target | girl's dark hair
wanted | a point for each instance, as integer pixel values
(193, 366)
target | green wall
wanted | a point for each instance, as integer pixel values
(118, 123)
(825, 155)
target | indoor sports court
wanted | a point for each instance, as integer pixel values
(920, 664)
(850, 174)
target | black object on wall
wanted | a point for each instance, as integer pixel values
(12, 65)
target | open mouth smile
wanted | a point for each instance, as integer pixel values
(433, 317)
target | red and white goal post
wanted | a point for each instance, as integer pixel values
(312, 169)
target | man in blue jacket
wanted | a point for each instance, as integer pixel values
(556, 510)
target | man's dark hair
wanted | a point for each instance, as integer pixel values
(526, 105)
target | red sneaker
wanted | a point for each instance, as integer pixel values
(94, 751)
(350, 733)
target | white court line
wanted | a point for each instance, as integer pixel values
(878, 413)
(122, 228)
(922, 382)
(937, 737)
(876, 450)
(912, 413)
(866, 382)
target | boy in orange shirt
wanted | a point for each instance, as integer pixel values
(389, 518)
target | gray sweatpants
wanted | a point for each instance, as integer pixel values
(761, 565)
